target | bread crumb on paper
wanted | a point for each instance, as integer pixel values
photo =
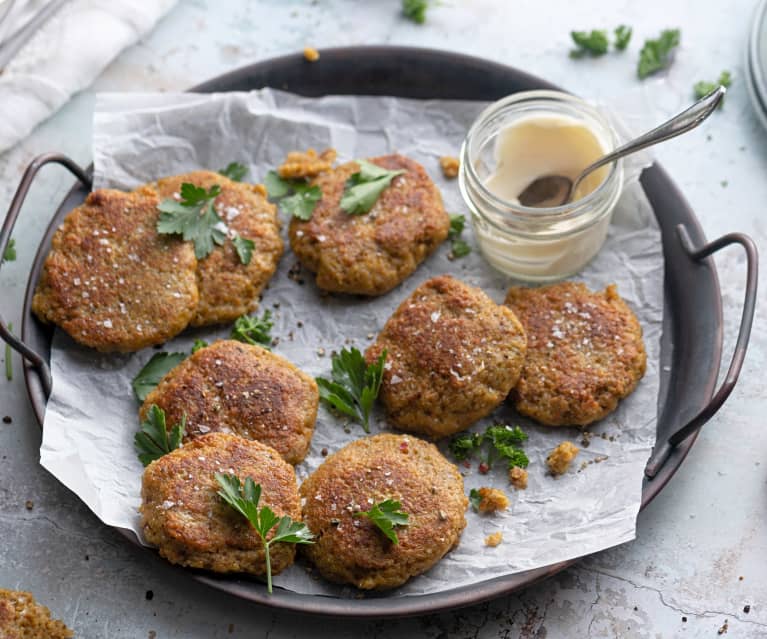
(560, 458)
(492, 500)
(494, 539)
(518, 477)
(450, 166)
(300, 164)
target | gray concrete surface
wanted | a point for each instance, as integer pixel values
(699, 556)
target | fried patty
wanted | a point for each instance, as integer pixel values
(351, 549)
(453, 356)
(232, 387)
(584, 352)
(111, 281)
(21, 617)
(370, 254)
(183, 515)
(229, 288)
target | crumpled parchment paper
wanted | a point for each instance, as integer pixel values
(92, 414)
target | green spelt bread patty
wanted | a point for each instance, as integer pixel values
(182, 514)
(111, 281)
(453, 357)
(353, 550)
(229, 288)
(232, 387)
(370, 254)
(584, 352)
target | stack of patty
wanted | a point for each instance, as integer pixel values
(115, 284)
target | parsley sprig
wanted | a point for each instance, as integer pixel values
(503, 442)
(254, 330)
(365, 186)
(194, 218)
(622, 36)
(354, 386)
(656, 54)
(415, 10)
(154, 370)
(235, 171)
(153, 440)
(702, 88)
(458, 247)
(244, 497)
(596, 42)
(10, 251)
(386, 515)
(296, 197)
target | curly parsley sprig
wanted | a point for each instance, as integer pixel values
(244, 497)
(254, 330)
(502, 442)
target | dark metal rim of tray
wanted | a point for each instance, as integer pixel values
(692, 319)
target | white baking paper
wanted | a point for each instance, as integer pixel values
(92, 415)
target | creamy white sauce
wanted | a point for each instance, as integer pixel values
(546, 144)
(531, 147)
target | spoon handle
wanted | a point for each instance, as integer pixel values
(686, 120)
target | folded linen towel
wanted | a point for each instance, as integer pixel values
(65, 55)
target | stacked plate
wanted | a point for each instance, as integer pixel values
(756, 62)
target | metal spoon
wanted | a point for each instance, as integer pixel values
(555, 190)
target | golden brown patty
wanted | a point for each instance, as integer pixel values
(353, 550)
(453, 356)
(21, 617)
(191, 525)
(237, 388)
(111, 281)
(584, 352)
(370, 254)
(229, 288)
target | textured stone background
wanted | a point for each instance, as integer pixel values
(701, 547)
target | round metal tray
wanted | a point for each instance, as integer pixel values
(692, 323)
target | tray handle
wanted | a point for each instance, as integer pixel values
(30, 173)
(663, 450)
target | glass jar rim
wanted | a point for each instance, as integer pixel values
(564, 211)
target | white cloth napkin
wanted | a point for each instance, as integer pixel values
(65, 55)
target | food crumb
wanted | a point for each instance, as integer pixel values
(324, 452)
(449, 166)
(559, 459)
(309, 164)
(260, 189)
(492, 500)
(7, 419)
(518, 477)
(152, 634)
(747, 608)
(149, 595)
(684, 619)
(311, 54)
(29, 504)
(723, 630)
(494, 539)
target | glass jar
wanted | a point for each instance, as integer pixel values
(536, 244)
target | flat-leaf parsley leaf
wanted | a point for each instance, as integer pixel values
(296, 197)
(386, 515)
(622, 36)
(194, 218)
(354, 386)
(656, 54)
(10, 251)
(244, 248)
(234, 171)
(702, 89)
(592, 42)
(415, 10)
(153, 440)
(244, 498)
(153, 371)
(365, 186)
